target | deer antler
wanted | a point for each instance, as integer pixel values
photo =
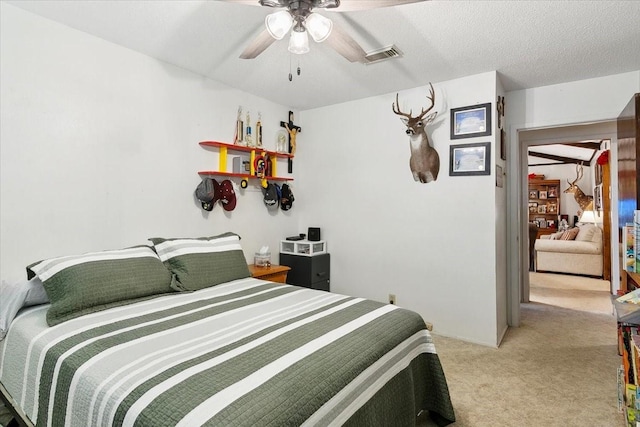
(396, 109)
(423, 112)
(579, 173)
(432, 98)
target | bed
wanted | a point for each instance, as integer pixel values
(243, 352)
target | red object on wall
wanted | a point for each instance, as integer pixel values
(603, 159)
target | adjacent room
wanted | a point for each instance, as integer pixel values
(210, 211)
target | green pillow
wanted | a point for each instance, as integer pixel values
(198, 263)
(82, 284)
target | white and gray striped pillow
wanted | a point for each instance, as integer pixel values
(82, 284)
(198, 263)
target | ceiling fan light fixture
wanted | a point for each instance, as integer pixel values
(318, 27)
(278, 24)
(299, 42)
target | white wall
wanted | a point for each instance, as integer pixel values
(99, 148)
(432, 245)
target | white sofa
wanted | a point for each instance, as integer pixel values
(580, 256)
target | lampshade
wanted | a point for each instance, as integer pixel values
(299, 42)
(278, 24)
(592, 217)
(318, 27)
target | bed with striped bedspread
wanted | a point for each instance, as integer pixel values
(243, 353)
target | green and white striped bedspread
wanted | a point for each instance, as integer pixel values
(243, 353)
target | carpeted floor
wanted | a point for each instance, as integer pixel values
(557, 369)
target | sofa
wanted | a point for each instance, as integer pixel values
(575, 251)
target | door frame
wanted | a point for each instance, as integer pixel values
(517, 239)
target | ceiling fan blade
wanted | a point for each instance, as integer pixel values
(345, 45)
(257, 45)
(351, 5)
(247, 2)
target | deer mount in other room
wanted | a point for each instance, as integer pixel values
(424, 161)
(585, 202)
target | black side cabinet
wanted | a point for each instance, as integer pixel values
(308, 271)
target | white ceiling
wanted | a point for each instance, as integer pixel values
(530, 43)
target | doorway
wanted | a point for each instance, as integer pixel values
(518, 205)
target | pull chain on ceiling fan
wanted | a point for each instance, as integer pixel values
(301, 21)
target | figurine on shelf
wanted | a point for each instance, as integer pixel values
(259, 130)
(238, 136)
(248, 138)
(281, 144)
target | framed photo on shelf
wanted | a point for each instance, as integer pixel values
(470, 159)
(533, 194)
(471, 121)
(542, 194)
(552, 208)
(542, 222)
(552, 192)
(533, 207)
(542, 209)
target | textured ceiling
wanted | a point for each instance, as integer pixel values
(530, 43)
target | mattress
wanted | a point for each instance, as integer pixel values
(244, 353)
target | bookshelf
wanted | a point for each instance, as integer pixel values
(544, 204)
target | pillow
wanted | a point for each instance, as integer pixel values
(556, 236)
(570, 234)
(586, 233)
(82, 284)
(198, 263)
(14, 296)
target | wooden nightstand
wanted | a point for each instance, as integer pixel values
(275, 273)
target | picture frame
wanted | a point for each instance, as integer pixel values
(470, 159)
(533, 194)
(597, 198)
(503, 144)
(551, 223)
(542, 209)
(471, 121)
(542, 222)
(552, 192)
(552, 208)
(533, 207)
(542, 194)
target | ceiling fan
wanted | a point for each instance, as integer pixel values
(300, 19)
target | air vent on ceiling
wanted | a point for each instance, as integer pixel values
(383, 54)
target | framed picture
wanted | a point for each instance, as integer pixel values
(503, 143)
(542, 222)
(552, 192)
(533, 194)
(533, 207)
(542, 194)
(551, 223)
(552, 208)
(597, 198)
(471, 121)
(542, 209)
(470, 159)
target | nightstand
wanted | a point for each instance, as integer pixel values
(308, 271)
(275, 273)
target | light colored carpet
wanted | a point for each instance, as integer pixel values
(574, 292)
(557, 369)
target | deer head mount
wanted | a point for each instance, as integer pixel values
(585, 202)
(424, 161)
